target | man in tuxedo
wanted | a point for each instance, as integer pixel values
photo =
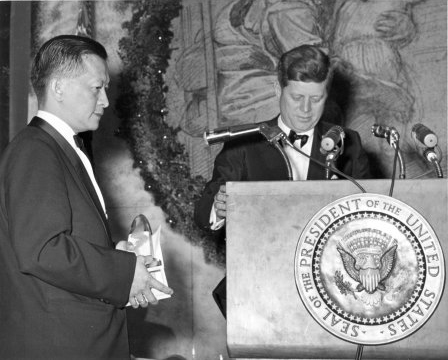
(64, 284)
(303, 80)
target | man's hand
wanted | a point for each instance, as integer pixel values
(125, 246)
(140, 294)
(220, 203)
(395, 26)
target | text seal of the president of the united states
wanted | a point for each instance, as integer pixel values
(369, 269)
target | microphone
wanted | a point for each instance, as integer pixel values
(231, 132)
(424, 135)
(433, 156)
(381, 131)
(392, 136)
(385, 132)
(331, 138)
(426, 143)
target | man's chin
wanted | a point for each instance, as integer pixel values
(304, 127)
(95, 122)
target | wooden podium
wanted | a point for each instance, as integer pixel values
(266, 318)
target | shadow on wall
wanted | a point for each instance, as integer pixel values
(154, 335)
(143, 335)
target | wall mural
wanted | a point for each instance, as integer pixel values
(386, 56)
(367, 37)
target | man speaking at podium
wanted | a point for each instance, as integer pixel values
(303, 81)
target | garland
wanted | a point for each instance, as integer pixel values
(160, 157)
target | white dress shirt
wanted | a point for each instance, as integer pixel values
(299, 162)
(67, 132)
(299, 165)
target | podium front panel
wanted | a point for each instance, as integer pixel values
(266, 318)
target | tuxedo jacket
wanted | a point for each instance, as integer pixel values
(63, 285)
(252, 158)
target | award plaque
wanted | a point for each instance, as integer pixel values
(146, 243)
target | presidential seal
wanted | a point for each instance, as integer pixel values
(369, 269)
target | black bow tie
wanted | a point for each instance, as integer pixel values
(80, 143)
(293, 136)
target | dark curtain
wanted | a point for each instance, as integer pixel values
(5, 14)
(15, 50)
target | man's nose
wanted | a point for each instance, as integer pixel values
(306, 105)
(103, 100)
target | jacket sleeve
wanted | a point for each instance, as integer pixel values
(43, 230)
(228, 166)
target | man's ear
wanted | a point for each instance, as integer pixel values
(56, 88)
(277, 88)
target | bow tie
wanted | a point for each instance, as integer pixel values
(80, 143)
(293, 136)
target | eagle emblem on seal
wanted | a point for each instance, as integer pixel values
(369, 255)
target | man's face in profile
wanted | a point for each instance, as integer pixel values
(85, 95)
(302, 104)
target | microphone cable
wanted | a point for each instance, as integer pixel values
(326, 167)
(393, 138)
(394, 169)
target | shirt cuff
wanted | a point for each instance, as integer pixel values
(214, 223)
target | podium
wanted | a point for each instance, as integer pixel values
(266, 318)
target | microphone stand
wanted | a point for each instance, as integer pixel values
(273, 135)
(330, 161)
(359, 350)
(393, 141)
(430, 155)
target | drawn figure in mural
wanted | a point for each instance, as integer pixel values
(301, 90)
(250, 37)
(366, 38)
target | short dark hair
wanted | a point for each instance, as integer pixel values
(62, 55)
(307, 63)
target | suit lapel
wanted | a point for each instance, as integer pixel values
(78, 170)
(315, 171)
